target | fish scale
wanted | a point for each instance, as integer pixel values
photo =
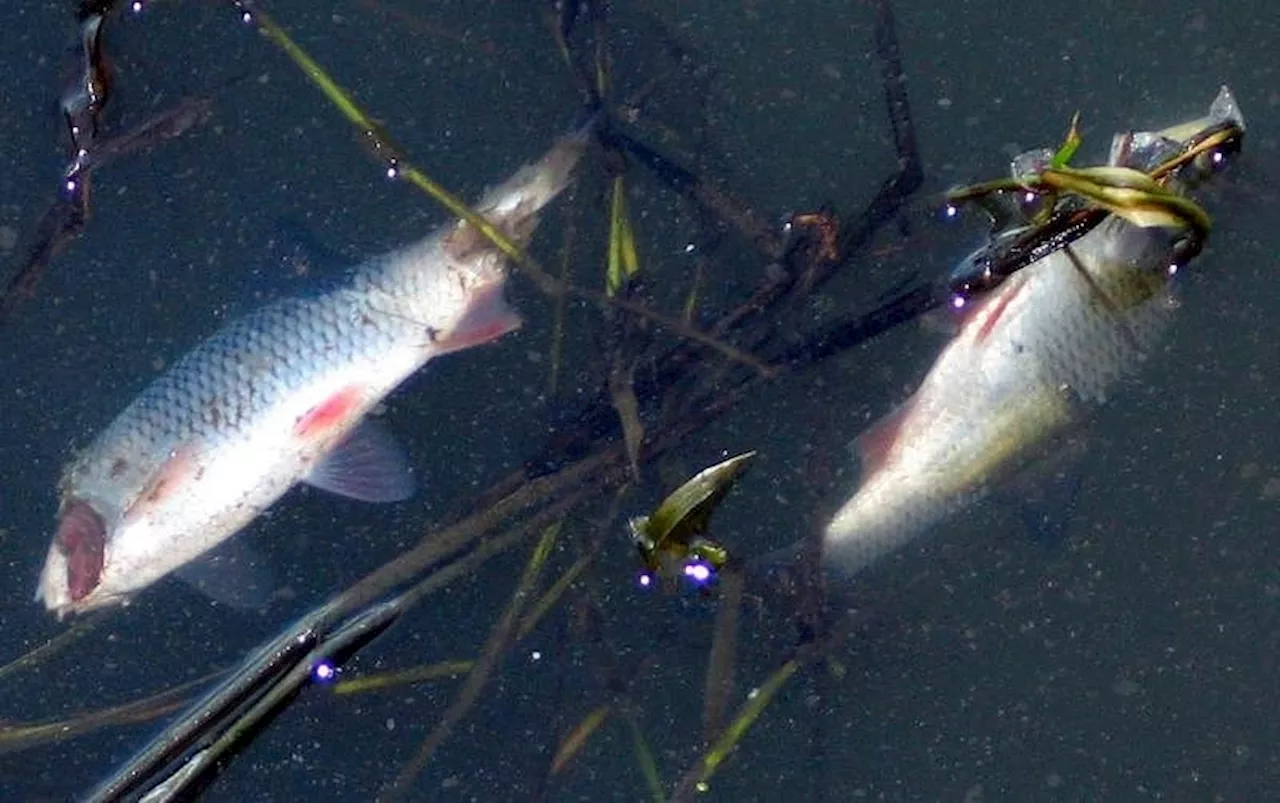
(278, 396)
(227, 381)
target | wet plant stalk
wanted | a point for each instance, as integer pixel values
(398, 167)
(696, 780)
(484, 666)
(724, 649)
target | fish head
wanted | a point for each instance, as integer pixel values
(1206, 143)
(71, 581)
(121, 529)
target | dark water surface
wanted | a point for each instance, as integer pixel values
(1135, 661)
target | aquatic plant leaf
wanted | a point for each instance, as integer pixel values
(677, 525)
(1070, 144)
(622, 393)
(577, 738)
(552, 596)
(482, 668)
(648, 764)
(748, 713)
(624, 260)
(441, 670)
(1134, 196)
(718, 686)
(1106, 176)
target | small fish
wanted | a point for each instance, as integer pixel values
(281, 396)
(1029, 360)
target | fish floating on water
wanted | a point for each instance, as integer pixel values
(281, 396)
(1029, 360)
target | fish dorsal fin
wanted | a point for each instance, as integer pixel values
(877, 441)
(369, 465)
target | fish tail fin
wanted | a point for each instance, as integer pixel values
(784, 572)
(514, 205)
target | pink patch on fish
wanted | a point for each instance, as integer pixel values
(331, 414)
(876, 443)
(996, 307)
(82, 537)
(171, 474)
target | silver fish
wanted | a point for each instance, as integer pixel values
(279, 397)
(1029, 360)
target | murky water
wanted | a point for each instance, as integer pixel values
(1133, 661)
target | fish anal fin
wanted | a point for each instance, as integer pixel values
(231, 574)
(369, 465)
(1044, 492)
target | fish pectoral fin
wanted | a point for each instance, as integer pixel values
(232, 574)
(369, 465)
(1044, 493)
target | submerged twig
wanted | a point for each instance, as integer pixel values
(82, 106)
(54, 645)
(751, 320)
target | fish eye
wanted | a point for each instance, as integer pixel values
(1032, 205)
(1184, 250)
(1210, 163)
(1213, 161)
(972, 276)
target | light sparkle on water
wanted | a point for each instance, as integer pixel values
(324, 672)
(699, 572)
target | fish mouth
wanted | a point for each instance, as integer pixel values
(73, 569)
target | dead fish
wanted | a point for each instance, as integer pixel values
(281, 396)
(1029, 360)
